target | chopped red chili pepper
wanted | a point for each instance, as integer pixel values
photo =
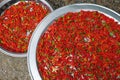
(83, 45)
(17, 24)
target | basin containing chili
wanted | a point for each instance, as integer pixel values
(17, 22)
(76, 42)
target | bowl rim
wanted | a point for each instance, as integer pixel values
(42, 26)
(15, 54)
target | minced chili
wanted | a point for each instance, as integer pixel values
(17, 24)
(81, 45)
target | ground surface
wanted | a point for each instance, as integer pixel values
(16, 68)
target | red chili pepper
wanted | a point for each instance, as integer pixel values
(17, 24)
(83, 45)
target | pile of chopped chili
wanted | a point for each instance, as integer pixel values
(17, 24)
(82, 45)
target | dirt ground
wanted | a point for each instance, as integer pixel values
(16, 68)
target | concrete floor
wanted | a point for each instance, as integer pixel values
(13, 68)
(16, 68)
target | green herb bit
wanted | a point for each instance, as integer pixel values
(0, 41)
(51, 48)
(96, 26)
(118, 43)
(107, 59)
(66, 49)
(99, 50)
(53, 42)
(56, 49)
(101, 57)
(90, 74)
(22, 0)
(112, 34)
(90, 53)
(93, 39)
(68, 17)
(118, 51)
(70, 50)
(58, 38)
(107, 27)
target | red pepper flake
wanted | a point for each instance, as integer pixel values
(70, 50)
(17, 24)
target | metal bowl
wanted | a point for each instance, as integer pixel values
(5, 5)
(41, 28)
